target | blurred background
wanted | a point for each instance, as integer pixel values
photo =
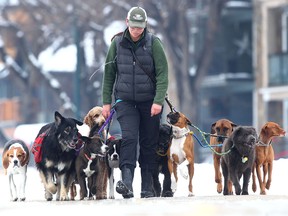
(227, 59)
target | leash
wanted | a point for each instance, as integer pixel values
(172, 108)
(203, 134)
(207, 144)
(108, 121)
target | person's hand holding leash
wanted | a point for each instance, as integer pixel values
(155, 109)
(106, 110)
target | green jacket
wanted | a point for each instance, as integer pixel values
(161, 69)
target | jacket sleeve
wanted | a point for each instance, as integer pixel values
(161, 70)
(109, 74)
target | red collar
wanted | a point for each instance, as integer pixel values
(88, 158)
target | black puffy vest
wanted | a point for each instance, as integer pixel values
(132, 83)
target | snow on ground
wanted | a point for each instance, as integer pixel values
(205, 202)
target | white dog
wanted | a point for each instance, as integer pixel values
(15, 158)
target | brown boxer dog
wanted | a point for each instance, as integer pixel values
(181, 150)
(265, 155)
(221, 129)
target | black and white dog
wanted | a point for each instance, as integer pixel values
(113, 162)
(55, 149)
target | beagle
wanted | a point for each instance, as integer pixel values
(15, 158)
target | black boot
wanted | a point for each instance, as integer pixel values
(146, 184)
(124, 186)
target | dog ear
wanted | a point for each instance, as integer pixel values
(233, 125)
(85, 139)
(58, 118)
(87, 120)
(5, 160)
(78, 122)
(188, 121)
(213, 128)
(26, 159)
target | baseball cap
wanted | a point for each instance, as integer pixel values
(137, 17)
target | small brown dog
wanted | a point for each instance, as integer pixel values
(181, 150)
(221, 129)
(265, 156)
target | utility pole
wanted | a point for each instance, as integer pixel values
(77, 76)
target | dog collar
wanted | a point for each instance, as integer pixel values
(260, 143)
(88, 158)
(180, 132)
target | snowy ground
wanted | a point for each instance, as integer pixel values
(205, 202)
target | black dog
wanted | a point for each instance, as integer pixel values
(87, 165)
(165, 136)
(54, 150)
(238, 158)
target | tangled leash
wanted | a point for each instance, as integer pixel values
(203, 134)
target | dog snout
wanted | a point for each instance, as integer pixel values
(15, 162)
(220, 139)
(115, 157)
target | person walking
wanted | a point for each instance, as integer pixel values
(136, 73)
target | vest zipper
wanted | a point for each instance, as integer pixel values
(134, 63)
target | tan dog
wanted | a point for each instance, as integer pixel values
(15, 158)
(265, 156)
(181, 150)
(94, 116)
(221, 129)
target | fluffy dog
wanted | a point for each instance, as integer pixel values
(181, 151)
(94, 116)
(15, 158)
(87, 165)
(165, 136)
(221, 129)
(112, 162)
(238, 158)
(55, 159)
(265, 155)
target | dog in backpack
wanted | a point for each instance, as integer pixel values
(55, 159)
(265, 155)
(15, 159)
(221, 129)
(238, 158)
(165, 136)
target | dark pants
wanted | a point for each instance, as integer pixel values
(137, 125)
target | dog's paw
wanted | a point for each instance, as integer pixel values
(173, 186)
(190, 194)
(48, 196)
(14, 199)
(52, 188)
(184, 171)
(22, 199)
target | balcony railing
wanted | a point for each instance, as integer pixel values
(278, 69)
